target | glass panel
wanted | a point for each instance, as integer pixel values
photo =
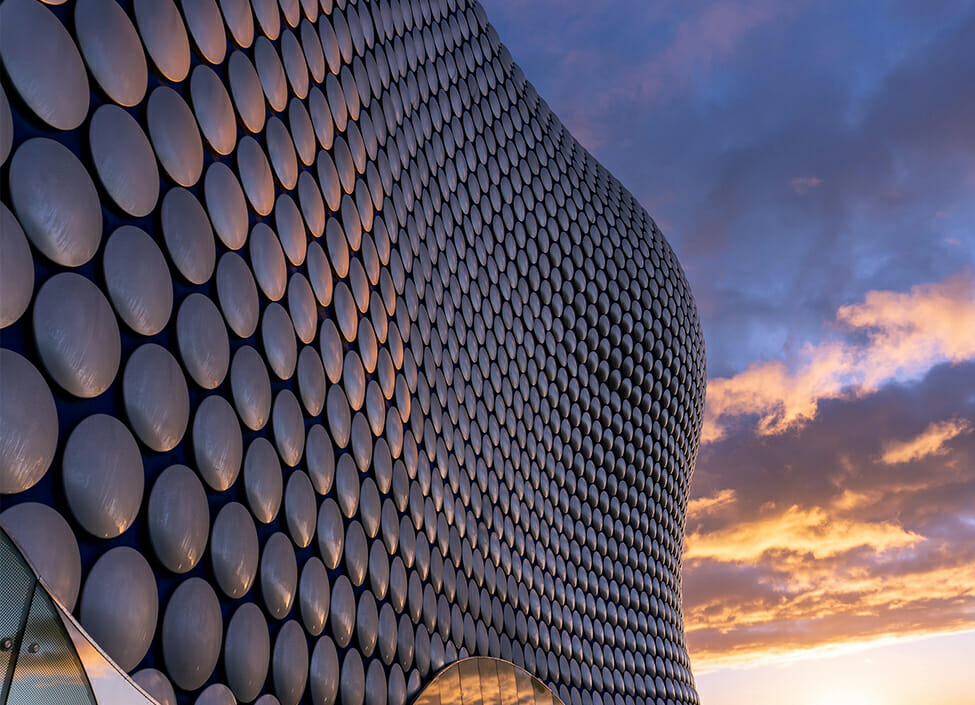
(526, 693)
(470, 683)
(486, 681)
(48, 670)
(490, 691)
(507, 686)
(15, 594)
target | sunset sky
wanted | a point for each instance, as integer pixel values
(813, 166)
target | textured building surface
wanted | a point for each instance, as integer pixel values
(329, 357)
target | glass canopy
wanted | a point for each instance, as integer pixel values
(486, 681)
(46, 658)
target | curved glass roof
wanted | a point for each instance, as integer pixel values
(486, 681)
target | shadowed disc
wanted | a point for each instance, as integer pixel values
(174, 134)
(157, 401)
(234, 550)
(178, 518)
(217, 443)
(138, 280)
(279, 575)
(55, 201)
(28, 424)
(43, 63)
(112, 50)
(192, 632)
(247, 651)
(290, 663)
(120, 605)
(103, 476)
(165, 37)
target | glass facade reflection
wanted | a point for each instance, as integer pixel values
(486, 681)
(328, 359)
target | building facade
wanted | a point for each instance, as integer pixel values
(329, 359)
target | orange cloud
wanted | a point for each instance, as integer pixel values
(814, 531)
(706, 505)
(805, 578)
(930, 442)
(893, 336)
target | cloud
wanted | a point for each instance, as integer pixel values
(802, 185)
(709, 505)
(801, 541)
(889, 336)
(931, 442)
(815, 532)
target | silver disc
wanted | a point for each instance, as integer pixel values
(192, 632)
(157, 401)
(138, 280)
(247, 651)
(43, 64)
(103, 476)
(234, 550)
(28, 424)
(178, 518)
(120, 605)
(55, 201)
(76, 333)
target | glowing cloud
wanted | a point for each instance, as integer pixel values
(891, 336)
(812, 531)
(930, 442)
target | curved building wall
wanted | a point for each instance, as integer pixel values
(329, 357)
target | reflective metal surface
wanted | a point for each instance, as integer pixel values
(157, 402)
(434, 381)
(237, 293)
(226, 205)
(290, 663)
(202, 340)
(179, 518)
(323, 674)
(262, 480)
(486, 680)
(174, 134)
(112, 50)
(103, 475)
(138, 280)
(234, 550)
(28, 424)
(217, 442)
(47, 656)
(55, 200)
(314, 596)
(192, 632)
(43, 63)
(300, 508)
(189, 237)
(279, 575)
(119, 605)
(76, 334)
(247, 651)
(214, 111)
(164, 37)
(16, 269)
(124, 160)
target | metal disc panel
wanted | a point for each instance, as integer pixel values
(374, 365)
